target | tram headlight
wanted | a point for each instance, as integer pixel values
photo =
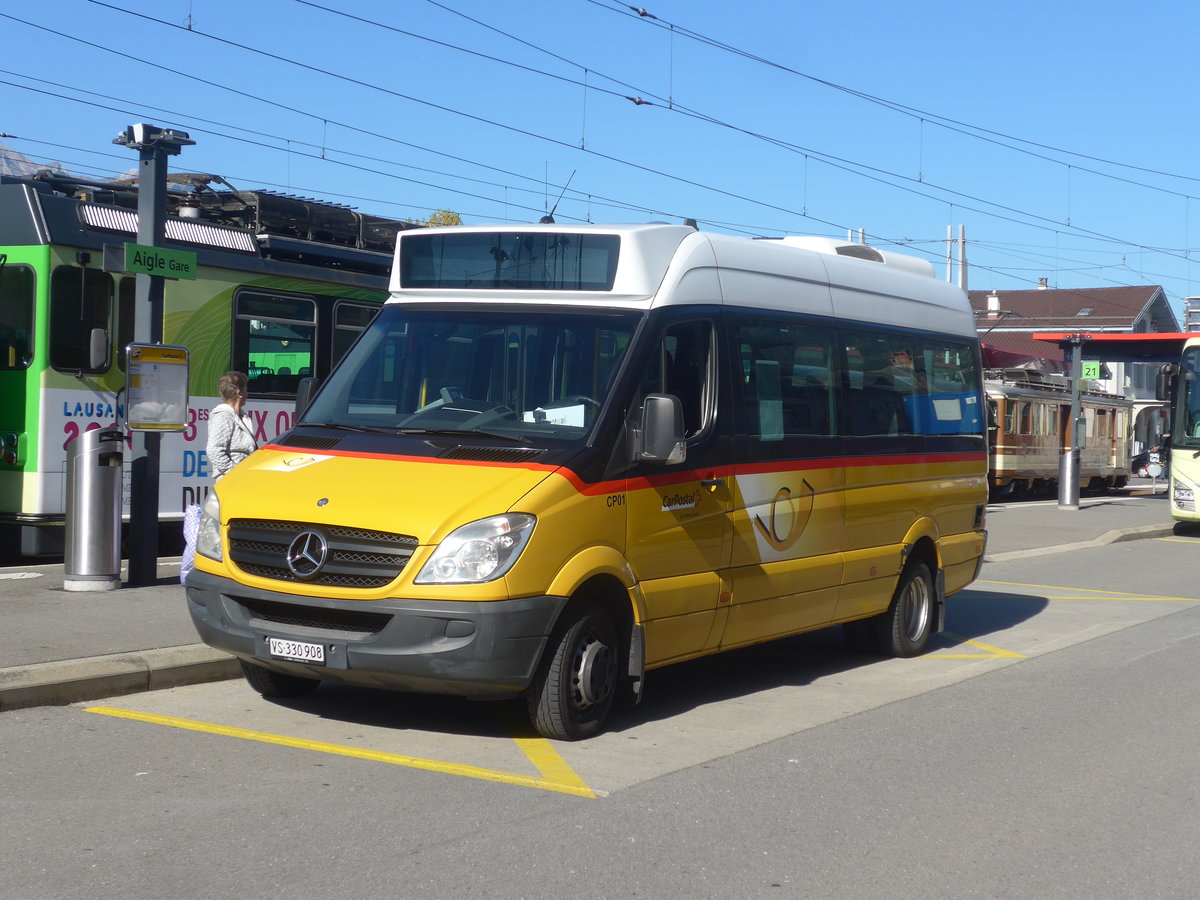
(10, 448)
(479, 551)
(208, 536)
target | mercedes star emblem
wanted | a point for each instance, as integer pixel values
(307, 553)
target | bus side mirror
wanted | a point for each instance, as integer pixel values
(662, 438)
(304, 393)
(98, 351)
(1164, 384)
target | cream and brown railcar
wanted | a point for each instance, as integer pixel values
(1028, 430)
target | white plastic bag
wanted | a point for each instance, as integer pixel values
(191, 527)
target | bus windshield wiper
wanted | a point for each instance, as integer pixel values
(458, 432)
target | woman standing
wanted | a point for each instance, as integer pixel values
(230, 433)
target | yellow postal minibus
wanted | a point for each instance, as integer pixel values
(563, 456)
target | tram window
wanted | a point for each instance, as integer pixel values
(80, 301)
(1025, 418)
(1041, 424)
(349, 321)
(126, 290)
(16, 315)
(273, 340)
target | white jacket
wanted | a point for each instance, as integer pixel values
(230, 439)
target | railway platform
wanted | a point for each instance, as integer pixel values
(61, 646)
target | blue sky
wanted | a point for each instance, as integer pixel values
(1059, 134)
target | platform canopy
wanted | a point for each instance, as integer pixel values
(1150, 347)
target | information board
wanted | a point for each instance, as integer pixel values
(156, 387)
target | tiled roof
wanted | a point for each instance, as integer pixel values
(1071, 309)
(1022, 343)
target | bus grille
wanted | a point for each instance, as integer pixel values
(314, 616)
(356, 558)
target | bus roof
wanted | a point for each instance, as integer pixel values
(645, 266)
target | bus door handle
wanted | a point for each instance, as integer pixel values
(712, 483)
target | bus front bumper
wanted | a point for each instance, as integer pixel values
(470, 649)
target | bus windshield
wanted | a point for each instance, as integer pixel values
(1186, 432)
(516, 374)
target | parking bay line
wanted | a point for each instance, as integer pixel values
(990, 652)
(557, 776)
(1076, 592)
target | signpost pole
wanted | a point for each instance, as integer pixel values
(1068, 463)
(154, 145)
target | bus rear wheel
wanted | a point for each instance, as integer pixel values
(573, 690)
(905, 628)
(276, 684)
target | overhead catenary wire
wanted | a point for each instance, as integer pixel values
(1049, 224)
(804, 213)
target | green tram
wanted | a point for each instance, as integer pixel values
(284, 286)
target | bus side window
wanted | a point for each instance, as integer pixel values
(788, 380)
(882, 379)
(682, 366)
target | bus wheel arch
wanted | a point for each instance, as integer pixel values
(926, 549)
(912, 616)
(586, 658)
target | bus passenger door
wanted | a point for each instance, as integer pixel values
(789, 518)
(679, 534)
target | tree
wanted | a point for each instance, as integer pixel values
(438, 218)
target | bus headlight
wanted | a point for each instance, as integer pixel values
(479, 551)
(208, 537)
(1184, 497)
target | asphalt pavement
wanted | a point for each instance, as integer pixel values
(59, 646)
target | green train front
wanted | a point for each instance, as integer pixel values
(278, 306)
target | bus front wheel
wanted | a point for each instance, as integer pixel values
(573, 690)
(904, 629)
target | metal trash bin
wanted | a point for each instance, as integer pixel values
(92, 552)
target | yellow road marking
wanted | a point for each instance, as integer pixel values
(1179, 540)
(556, 774)
(553, 767)
(1116, 595)
(992, 652)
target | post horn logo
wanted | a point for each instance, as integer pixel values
(786, 506)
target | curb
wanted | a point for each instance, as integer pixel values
(72, 680)
(1109, 537)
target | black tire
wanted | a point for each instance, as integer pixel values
(905, 628)
(276, 684)
(576, 681)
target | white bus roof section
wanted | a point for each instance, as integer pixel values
(646, 252)
(662, 265)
